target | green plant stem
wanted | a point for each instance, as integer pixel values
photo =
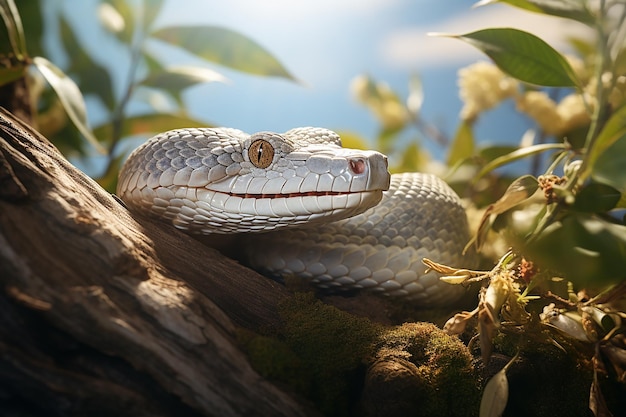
(551, 212)
(117, 119)
(597, 119)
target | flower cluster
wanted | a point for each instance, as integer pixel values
(482, 86)
(381, 100)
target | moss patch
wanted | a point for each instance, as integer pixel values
(324, 354)
(332, 346)
(273, 358)
(348, 365)
(438, 367)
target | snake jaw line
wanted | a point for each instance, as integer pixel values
(291, 195)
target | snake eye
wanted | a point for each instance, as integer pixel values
(261, 153)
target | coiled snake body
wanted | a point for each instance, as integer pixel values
(306, 206)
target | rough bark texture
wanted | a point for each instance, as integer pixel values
(103, 314)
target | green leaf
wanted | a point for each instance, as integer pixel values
(463, 144)
(523, 56)
(614, 130)
(569, 9)
(70, 97)
(519, 191)
(149, 124)
(596, 198)
(175, 79)
(518, 154)
(92, 77)
(224, 47)
(491, 152)
(31, 12)
(151, 9)
(588, 250)
(610, 167)
(15, 30)
(152, 63)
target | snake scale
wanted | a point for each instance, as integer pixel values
(304, 207)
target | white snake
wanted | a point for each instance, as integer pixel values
(318, 202)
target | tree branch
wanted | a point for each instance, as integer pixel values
(79, 272)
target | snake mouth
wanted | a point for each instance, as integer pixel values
(293, 195)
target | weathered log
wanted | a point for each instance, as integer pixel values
(104, 312)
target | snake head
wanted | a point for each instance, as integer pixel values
(225, 181)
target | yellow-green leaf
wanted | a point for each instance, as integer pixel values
(177, 78)
(463, 144)
(70, 97)
(609, 167)
(593, 253)
(614, 130)
(519, 191)
(93, 78)
(149, 124)
(570, 9)
(151, 9)
(518, 154)
(225, 47)
(13, 24)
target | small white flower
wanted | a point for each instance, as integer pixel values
(481, 87)
(542, 109)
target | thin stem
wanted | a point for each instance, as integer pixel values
(603, 61)
(117, 118)
(550, 214)
(430, 131)
(557, 161)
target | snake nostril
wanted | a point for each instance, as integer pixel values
(357, 166)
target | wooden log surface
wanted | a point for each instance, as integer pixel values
(103, 311)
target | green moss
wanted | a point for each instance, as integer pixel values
(447, 382)
(273, 359)
(332, 346)
(323, 354)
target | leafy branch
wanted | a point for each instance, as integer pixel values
(564, 223)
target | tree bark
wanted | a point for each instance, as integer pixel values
(104, 313)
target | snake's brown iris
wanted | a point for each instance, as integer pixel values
(261, 153)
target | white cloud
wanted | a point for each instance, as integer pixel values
(308, 9)
(412, 48)
(271, 12)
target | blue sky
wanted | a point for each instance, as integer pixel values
(326, 43)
